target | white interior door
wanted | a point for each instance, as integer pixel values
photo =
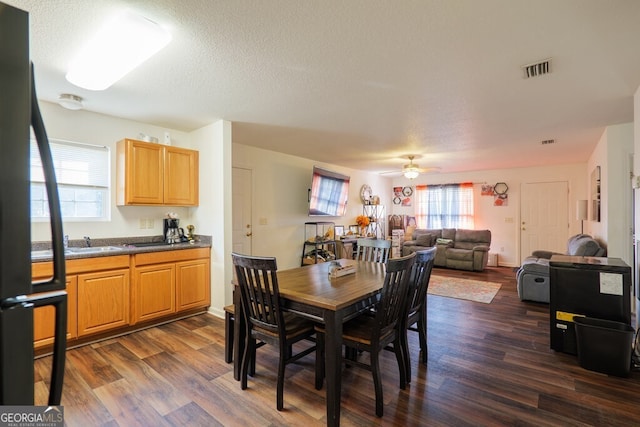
(242, 206)
(544, 217)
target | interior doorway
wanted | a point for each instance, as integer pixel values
(544, 217)
(242, 196)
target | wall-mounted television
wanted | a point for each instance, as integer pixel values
(328, 194)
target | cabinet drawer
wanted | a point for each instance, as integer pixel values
(171, 256)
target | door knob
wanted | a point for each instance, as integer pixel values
(523, 228)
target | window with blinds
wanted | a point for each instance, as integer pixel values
(445, 206)
(82, 172)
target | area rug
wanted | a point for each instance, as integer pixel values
(472, 290)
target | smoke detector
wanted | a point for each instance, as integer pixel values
(70, 102)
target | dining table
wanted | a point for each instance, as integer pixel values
(310, 291)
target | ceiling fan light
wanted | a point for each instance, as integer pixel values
(410, 172)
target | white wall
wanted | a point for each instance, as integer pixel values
(613, 154)
(280, 184)
(504, 221)
(212, 217)
(214, 213)
(99, 129)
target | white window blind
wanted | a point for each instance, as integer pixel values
(82, 172)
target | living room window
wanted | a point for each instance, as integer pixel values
(82, 172)
(444, 206)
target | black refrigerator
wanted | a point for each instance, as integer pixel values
(19, 297)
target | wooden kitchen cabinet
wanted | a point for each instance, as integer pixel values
(193, 288)
(169, 282)
(153, 293)
(104, 295)
(44, 317)
(181, 176)
(97, 297)
(154, 174)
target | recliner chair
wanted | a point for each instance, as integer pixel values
(533, 274)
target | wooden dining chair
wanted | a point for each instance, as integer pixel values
(229, 326)
(372, 333)
(373, 250)
(260, 299)
(416, 307)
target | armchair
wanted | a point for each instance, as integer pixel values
(533, 275)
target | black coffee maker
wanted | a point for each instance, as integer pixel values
(171, 231)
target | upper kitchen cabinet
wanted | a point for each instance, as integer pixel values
(155, 174)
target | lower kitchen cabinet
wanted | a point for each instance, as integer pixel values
(193, 288)
(103, 301)
(44, 317)
(153, 293)
(111, 294)
(170, 282)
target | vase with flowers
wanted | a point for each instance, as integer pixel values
(363, 223)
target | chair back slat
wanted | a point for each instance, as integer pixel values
(373, 250)
(258, 284)
(394, 293)
(419, 281)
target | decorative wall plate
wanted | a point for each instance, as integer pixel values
(500, 188)
(365, 194)
(407, 191)
(397, 200)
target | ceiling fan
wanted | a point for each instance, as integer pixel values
(411, 170)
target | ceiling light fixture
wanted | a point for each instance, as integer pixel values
(411, 170)
(70, 102)
(122, 44)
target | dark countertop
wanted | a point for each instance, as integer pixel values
(126, 245)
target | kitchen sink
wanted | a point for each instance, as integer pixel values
(45, 253)
(92, 250)
(48, 253)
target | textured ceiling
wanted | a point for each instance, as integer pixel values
(362, 83)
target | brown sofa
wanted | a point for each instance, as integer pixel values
(455, 247)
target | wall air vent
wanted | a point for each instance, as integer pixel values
(548, 141)
(537, 69)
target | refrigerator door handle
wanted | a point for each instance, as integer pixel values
(58, 300)
(58, 280)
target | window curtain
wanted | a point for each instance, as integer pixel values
(445, 206)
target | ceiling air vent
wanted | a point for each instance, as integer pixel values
(537, 69)
(548, 141)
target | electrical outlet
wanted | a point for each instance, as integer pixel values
(502, 249)
(508, 220)
(167, 138)
(143, 223)
(150, 223)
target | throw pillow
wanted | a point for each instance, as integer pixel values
(408, 233)
(425, 240)
(447, 242)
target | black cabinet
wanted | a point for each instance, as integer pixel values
(586, 286)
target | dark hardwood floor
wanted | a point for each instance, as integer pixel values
(489, 364)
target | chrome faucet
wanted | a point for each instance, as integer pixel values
(87, 240)
(65, 241)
